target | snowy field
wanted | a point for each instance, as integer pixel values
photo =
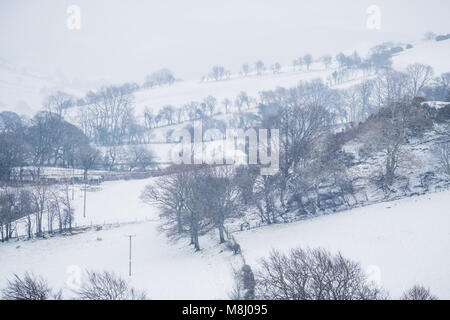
(432, 53)
(400, 243)
(166, 270)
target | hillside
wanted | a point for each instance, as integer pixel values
(400, 243)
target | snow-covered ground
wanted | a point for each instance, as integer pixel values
(399, 243)
(402, 243)
(23, 91)
(166, 270)
(432, 53)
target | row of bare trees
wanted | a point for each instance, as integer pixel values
(37, 208)
(194, 110)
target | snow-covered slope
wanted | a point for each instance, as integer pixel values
(23, 91)
(399, 243)
(432, 53)
(167, 270)
(403, 242)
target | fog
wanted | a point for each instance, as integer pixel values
(125, 40)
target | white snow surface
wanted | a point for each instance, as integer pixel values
(407, 241)
(165, 269)
(400, 243)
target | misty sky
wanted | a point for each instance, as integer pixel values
(125, 40)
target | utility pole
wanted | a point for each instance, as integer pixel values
(85, 187)
(73, 181)
(129, 259)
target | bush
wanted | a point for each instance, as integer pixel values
(396, 50)
(418, 293)
(409, 46)
(107, 286)
(29, 287)
(313, 274)
(244, 287)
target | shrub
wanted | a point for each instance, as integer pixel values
(418, 293)
(28, 287)
(313, 274)
(107, 286)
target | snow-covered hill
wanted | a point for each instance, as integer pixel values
(400, 243)
(23, 91)
(432, 53)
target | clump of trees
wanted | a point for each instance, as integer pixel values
(219, 73)
(418, 292)
(160, 77)
(36, 204)
(45, 140)
(444, 157)
(195, 200)
(29, 287)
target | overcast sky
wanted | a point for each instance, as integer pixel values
(122, 40)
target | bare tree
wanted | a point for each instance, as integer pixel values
(170, 194)
(308, 60)
(218, 73)
(140, 157)
(210, 104)
(260, 67)
(313, 274)
(242, 99)
(276, 67)
(245, 69)
(444, 157)
(327, 61)
(107, 286)
(87, 157)
(418, 293)
(109, 115)
(226, 104)
(40, 195)
(28, 287)
(419, 75)
(58, 103)
(160, 77)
